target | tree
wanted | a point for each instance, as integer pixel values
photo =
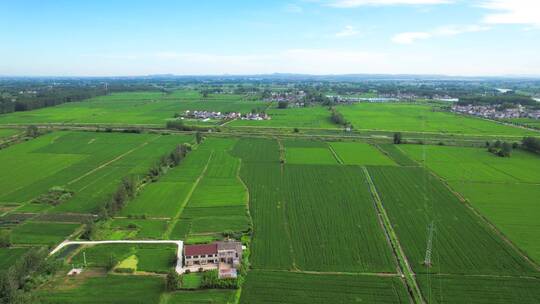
(32, 131)
(296, 130)
(111, 262)
(397, 138)
(506, 150)
(282, 104)
(198, 137)
(173, 280)
(5, 238)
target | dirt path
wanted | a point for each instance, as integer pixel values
(403, 263)
(336, 156)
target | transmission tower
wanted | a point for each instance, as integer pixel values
(427, 259)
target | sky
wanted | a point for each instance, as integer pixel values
(215, 37)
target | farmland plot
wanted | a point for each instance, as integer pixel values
(462, 242)
(308, 152)
(513, 208)
(112, 289)
(218, 203)
(476, 164)
(42, 233)
(132, 108)
(420, 118)
(439, 289)
(89, 164)
(356, 153)
(332, 220)
(394, 152)
(504, 190)
(261, 173)
(200, 297)
(287, 287)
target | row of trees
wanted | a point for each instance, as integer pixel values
(25, 274)
(531, 144)
(502, 149)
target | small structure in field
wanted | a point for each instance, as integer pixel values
(74, 272)
(223, 255)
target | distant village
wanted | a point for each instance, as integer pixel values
(497, 112)
(208, 115)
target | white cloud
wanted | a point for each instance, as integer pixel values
(348, 31)
(358, 3)
(512, 12)
(293, 8)
(411, 37)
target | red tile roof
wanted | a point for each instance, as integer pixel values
(191, 250)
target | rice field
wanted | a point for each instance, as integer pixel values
(462, 244)
(514, 209)
(477, 164)
(357, 153)
(200, 297)
(42, 233)
(440, 289)
(504, 190)
(89, 164)
(304, 214)
(132, 108)
(288, 287)
(111, 289)
(421, 118)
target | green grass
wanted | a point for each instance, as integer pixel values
(202, 297)
(113, 289)
(43, 233)
(420, 118)
(479, 290)
(4, 133)
(8, 256)
(191, 280)
(156, 258)
(128, 263)
(286, 287)
(356, 153)
(413, 199)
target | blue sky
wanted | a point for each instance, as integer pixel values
(136, 37)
